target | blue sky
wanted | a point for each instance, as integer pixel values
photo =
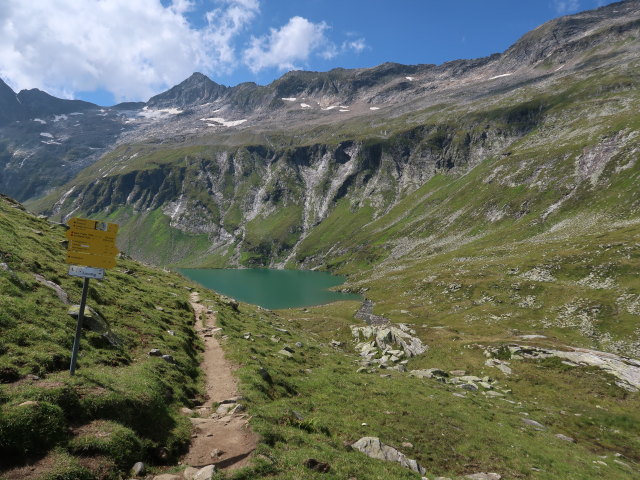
(106, 51)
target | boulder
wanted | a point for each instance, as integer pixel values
(533, 423)
(565, 438)
(484, 476)
(205, 473)
(189, 473)
(374, 448)
(167, 476)
(95, 322)
(137, 469)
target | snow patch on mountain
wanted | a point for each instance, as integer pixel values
(159, 113)
(501, 75)
(218, 121)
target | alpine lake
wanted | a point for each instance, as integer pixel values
(272, 289)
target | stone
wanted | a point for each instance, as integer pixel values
(167, 476)
(469, 386)
(299, 344)
(247, 336)
(407, 444)
(29, 403)
(285, 353)
(186, 411)
(216, 453)
(62, 295)
(316, 465)
(484, 476)
(159, 308)
(470, 378)
(137, 469)
(374, 448)
(493, 393)
(189, 473)
(205, 473)
(93, 321)
(428, 373)
(361, 370)
(225, 408)
(485, 385)
(499, 364)
(4, 266)
(171, 332)
(533, 423)
(457, 373)
(168, 358)
(565, 438)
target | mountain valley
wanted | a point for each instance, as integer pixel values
(487, 210)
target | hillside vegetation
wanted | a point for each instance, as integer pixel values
(121, 406)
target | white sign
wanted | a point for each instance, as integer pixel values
(86, 272)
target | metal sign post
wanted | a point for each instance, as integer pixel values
(92, 248)
(76, 341)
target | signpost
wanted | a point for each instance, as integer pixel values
(92, 248)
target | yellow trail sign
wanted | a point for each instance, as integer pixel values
(92, 243)
(90, 260)
(94, 225)
(91, 235)
(93, 247)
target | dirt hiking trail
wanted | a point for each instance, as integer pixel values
(222, 435)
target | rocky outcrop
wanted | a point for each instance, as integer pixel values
(374, 448)
(625, 370)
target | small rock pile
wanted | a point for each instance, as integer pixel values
(386, 346)
(460, 379)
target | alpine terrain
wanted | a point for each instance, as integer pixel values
(487, 210)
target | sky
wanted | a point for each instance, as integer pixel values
(110, 51)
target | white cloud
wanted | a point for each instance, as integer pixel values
(563, 7)
(294, 42)
(132, 48)
(356, 46)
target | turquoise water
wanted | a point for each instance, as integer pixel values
(272, 288)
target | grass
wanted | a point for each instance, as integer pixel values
(121, 406)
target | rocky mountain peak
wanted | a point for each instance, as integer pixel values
(10, 108)
(40, 103)
(198, 89)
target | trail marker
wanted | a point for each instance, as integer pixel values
(92, 248)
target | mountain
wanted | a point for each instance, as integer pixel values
(10, 108)
(198, 89)
(244, 112)
(276, 175)
(486, 210)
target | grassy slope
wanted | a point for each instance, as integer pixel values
(121, 405)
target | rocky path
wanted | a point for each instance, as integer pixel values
(222, 435)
